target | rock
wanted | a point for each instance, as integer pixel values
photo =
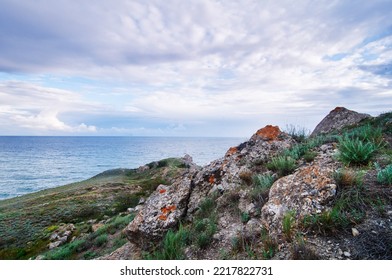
(55, 244)
(161, 212)
(337, 119)
(95, 227)
(53, 236)
(346, 254)
(288, 193)
(231, 171)
(355, 232)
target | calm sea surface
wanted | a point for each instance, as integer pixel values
(29, 164)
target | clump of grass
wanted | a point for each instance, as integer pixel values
(345, 177)
(101, 240)
(384, 176)
(309, 156)
(261, 185)
(301, 251)
(269, 245)
(356, 151)
(299, 134)
(245, 217)
(282, 165)
(349, 209)
(205, 223)
(172, 247)
(367, 133)
(288, 225)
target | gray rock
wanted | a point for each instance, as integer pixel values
(161, 212)
(337, 119)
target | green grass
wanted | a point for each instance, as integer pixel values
(269, 245)
(356, 151)
(288, 225)
(172, 246)
(101, 240)
(384, 176)
(282, 165)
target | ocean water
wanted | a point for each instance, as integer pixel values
(29, 164)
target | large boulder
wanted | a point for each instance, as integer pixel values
(161, 212)
(229, 172)
(337, 119)
(307, 191)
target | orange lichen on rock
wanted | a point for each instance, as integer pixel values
(168, 209)
(162, 217)
(211, 180)
(231, 151)
(162, 191)
(338, 109)
(269, 132)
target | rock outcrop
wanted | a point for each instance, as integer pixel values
(161, 212)
(305, 192)
(337, 119)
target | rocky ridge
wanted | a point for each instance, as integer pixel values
(307, 192)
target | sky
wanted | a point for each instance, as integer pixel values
(189, 68)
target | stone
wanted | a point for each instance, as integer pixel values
(346, 254)
(95, 227)
(355, 232)
(161, 212)
(54, 245)
(337, 119)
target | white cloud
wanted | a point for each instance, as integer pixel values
(188, 63)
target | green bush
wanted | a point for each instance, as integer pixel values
(356, 151)
(282, 165)
(309, 156)
(245, 217)
(384, 176)
(101, 240)
(263, 182)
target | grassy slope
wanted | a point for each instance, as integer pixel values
(26, 222)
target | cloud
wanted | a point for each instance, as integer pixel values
(190, 67)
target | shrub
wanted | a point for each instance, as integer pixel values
(356, 151)
(263, 182)
(101, 240)
(282, 165)
(309, 156)
(346, 177)
(384, 176)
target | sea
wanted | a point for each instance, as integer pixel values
(31, 163)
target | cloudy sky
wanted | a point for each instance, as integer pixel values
(189, 68)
